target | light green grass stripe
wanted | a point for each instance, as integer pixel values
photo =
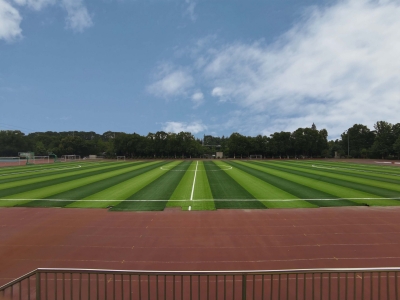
(263, 190)
(202, 190)
(368, 167)
(344, 176)
(332, 189)
(57, 176)
(373, 174)
(66, 186)
(183, 190)
(123, 190)
(37, 172)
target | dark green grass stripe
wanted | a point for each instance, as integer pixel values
(353, 172)
(390, 170)
(90, 189)
(339, 182)
(225, 187)
(296, 189)
(42, 184)
(46, 172)
(160, 189)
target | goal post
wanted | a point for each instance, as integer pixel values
(42, 159)
(119, 158)
(256, 156)
(10, 161)
(29, 156)
(71, 157)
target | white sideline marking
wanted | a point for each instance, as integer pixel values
(204, 200)
(194, 181)
(41, 170)
(358, 170)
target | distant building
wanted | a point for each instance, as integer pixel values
(313, 127)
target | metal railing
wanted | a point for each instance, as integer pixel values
(308, 284)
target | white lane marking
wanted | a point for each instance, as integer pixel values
(194, 181)
(204, 200)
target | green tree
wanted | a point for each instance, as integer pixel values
(384, 138)
(396, 147)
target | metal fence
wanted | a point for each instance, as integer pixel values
(309, 284)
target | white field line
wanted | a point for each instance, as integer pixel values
(41, 170)
(190, 208)
(194, 181)
(358, 170)
(202, 200)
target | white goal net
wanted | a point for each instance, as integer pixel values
(11, 161)
(70, 157)
(41, 159)
(121, 158)
(255, 156)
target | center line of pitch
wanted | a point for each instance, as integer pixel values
(194, 181)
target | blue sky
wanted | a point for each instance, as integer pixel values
(209, 67)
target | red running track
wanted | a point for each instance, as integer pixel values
(203, 240)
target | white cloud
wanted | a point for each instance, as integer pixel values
(337, 66)
(191, 5)
(171, 82)
(10, 20)
(198, 99)
(35, 4)
(176, 127)
(78, 17)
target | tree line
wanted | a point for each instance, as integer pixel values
(358, 141)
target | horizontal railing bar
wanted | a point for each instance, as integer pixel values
(19, 279)
(251, 272)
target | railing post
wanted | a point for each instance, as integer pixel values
(244, 282)
(38, 294)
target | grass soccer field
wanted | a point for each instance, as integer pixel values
(200, 185)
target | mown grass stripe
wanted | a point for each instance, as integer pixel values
(49, 191)
(36, 173)
(94, 186)
(352, 183)
(345, 170)
(160, 189)
(124, 189)
(393, 170)
(183, 189)
(224, 187)
(36, 183)
(261, 189)
(293, 184)
(201, 190)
